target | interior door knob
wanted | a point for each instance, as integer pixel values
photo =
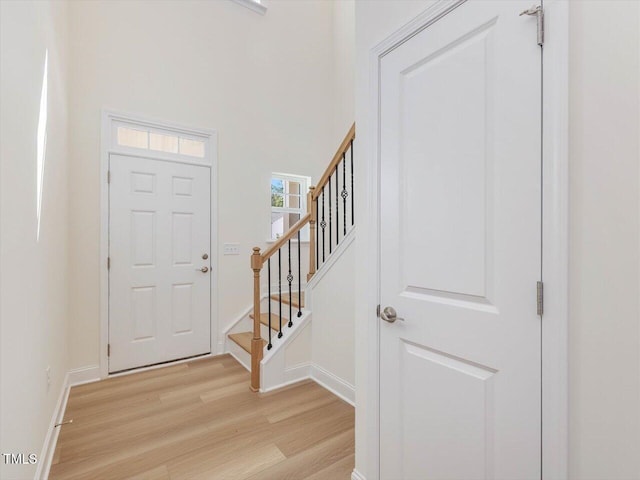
(203, 269)
(389, 315)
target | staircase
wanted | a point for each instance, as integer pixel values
(330, 206)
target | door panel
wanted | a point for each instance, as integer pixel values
(460, 248)
(464, 408)
(159, 229)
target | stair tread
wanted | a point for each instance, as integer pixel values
(244, 340)
(275, 320)
(293, 301)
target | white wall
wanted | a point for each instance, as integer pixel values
(33, 273)
(263, 82)
(605, 243)
(333, 329)
(604, 431)
(344, 49)
(332, 339)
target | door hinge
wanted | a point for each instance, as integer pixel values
(538, 12)
(108, 263)
(108, 176)
(540, 297)
(378, 310)
(108, 349)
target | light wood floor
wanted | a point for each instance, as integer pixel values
(198, 420)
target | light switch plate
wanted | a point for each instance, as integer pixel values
(231, 249)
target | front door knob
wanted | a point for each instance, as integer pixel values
(203, 269)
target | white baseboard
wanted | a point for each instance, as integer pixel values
(292, 375)
(50, 440)
(356, 475)
(79, 376)
(298, 372)
(334, 384)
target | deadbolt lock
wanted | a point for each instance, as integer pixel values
(205, 256)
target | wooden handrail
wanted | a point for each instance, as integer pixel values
(351, 135)
(286, 237)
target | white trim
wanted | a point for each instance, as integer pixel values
(295, 374)
(555, 240)
(334, 384)
(80, 376)
(333, 258)
(51, 439)
(171, 363)
(356, 475)
(290, 334)
(273, 367)
(555, 256)
(210, 161)
(252, 5)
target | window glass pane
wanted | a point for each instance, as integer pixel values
(292, 201)
(163, 143)
(277, 200)
(277, 185)
(277, 189)
(130, 137)
(281, 222)
(293, 187)
(290, 220)
(277, 224)
(192, 148)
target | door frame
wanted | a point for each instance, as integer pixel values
(555, 190)
(108, 147)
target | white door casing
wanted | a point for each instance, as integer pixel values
(159, 230)
(460, 248)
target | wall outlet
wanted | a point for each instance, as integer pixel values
(231, 249)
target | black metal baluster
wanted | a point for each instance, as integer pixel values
(329, 214)
(290, 279)
(269, 295)
(344, 193)
(280, 290)
(337, 211)
(323, 224)
(352, 194)
(317, 239)
(300, 279)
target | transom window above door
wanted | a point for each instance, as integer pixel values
(288, 203)
(138, 137)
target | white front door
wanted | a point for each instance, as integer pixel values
(159, 275)
(460, 242)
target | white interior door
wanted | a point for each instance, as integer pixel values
(460, 193)
(159, 276)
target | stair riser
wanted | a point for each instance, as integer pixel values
(264, 308)
(285, 309)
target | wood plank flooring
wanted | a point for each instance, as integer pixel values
(199, 420)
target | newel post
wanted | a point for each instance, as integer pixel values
(311, 208)
(256, 341)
